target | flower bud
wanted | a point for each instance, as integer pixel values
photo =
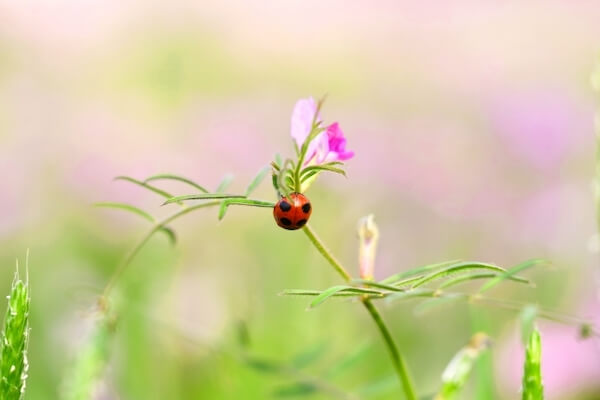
(368, 235)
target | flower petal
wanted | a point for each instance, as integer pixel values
(302, 118)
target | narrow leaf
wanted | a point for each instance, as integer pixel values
(318, 168)
(145, 185)
(242, 202)
(225, 182)
(127, 207)
(482, 275)
(511, 272)
(176, 178)
(340, 288)
(377, 285)
(453, 269)
(533, 388)
(257, 179)
(416, 271)
(171, 235)
(202, 196)
(308, 292)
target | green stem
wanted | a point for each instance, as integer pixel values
(397, 359)
(135, 250)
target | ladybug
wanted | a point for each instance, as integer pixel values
(292, 214)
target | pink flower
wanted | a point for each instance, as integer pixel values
(328, 146)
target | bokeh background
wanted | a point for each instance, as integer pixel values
(472, 125)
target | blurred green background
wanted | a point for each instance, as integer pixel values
(473, 131)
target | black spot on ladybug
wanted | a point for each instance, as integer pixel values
(306, 209)
(285, 206)
(286, 221)
(301, 223)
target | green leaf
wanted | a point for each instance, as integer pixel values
(145, 185)
(14, 341)
(482, 275)
(456, 373)
(377, 285)
(325, 167)
(309, 292)
(225, 182)
(511, 272)
(533, 388)
(257, 179)
(453, 269)
(170, 234)
(340, 288)
(528, 316)
(176, 178)
(242, 202)
(127, 207)
(202, 196)
(416, 271)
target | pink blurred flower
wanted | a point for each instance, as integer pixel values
(328, 146)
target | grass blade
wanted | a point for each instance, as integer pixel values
(242, 202)
(176, 178)
(511, 272)
(202, 196)
(456, 373)
(224, 184)
(154, 189)
(257, 179)
(482, 275)
(127, 207)
(533, 389)
(455, 268)
(15, 337)
(416, 271)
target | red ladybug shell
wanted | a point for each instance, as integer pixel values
(292, 214)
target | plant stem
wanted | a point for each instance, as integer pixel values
(397, 359)
(135, 250)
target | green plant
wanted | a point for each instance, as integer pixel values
(533, 389)
(429, 283)
(15, 337)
